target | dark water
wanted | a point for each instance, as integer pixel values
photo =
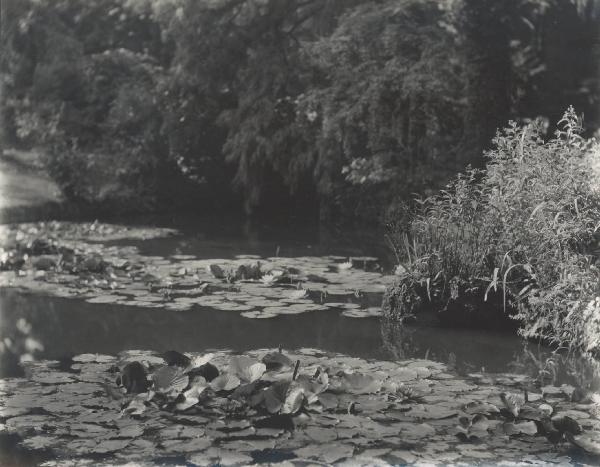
(67, 327)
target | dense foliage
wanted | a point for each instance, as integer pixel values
(330, 105)
(518, 239)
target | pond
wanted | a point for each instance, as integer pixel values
(91, 288)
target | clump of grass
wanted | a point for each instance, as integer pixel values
(516, 239)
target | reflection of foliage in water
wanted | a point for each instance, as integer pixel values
(549, 367)
(17, 345)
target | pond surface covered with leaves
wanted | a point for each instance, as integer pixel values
(76, 298)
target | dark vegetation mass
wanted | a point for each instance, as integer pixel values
(335, 108)
(517, 240)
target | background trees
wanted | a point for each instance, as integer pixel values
(332, 106)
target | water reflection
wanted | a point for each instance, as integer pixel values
(58, 328)
(467, 351)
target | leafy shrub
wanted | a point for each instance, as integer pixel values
(516, 239)
(106, 147)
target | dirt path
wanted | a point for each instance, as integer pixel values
(24, 185)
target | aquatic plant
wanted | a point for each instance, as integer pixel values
(514, 240)
(305, 406)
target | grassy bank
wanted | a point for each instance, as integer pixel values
(513, 242)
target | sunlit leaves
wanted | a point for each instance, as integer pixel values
(246, 369)
(169, 380)
(225, 382)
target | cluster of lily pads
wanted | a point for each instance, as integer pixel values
(299, 408)
(74, 260)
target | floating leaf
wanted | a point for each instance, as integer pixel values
(225, 382)
(192, 396)
(207, 371)
(174, 358)
(134, 378)
(93, 358)
(276, 361)
(589, 441)
(358, 383)
(476, 407)
(246, 369)
(39, 442)
(169, 380)
(330, 453)
(293, 401)
(312, 387)
(216, 271)
(566, 424)
(275, 396)
(53, 378)
(526, 428)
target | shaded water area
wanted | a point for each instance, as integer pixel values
(179, 290)
(69, 326)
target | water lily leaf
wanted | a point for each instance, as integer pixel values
(529, 412)
(130, 431)
(134, 378)
(328, 400)
(404, 457)
(174, 358)
(223, 457)
(199, 360)
(526, 428)
(192, 395)
(169, 380)
(293, 401)
(277, 421)
(329, 453)
(136, 406)
(312, 387)
(476, 407)
(566, 424)
(110, 445)
(225, 382)
(207, 371)
(275, 396)
(40, 442)
(358, 383)
(93, 358)
(588, 441)
(420, 431)
(53, 378)
(190, 445)
(321, 435)
(276, 361)
(246, 369)
(216, 271)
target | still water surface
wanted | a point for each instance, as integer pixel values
(67, 327)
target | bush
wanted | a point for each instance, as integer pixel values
(515, 240)
(106, 147)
